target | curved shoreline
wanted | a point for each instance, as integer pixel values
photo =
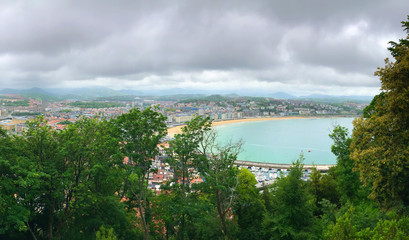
(178, 129)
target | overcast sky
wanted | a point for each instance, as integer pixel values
(296, 46)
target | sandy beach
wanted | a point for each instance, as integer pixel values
(178, 129)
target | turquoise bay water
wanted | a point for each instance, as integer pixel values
(282, 141)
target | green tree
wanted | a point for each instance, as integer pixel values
(165, 210)
(354, 222)
(324, 187)
(93, 178)
(184, 156)
(59, 185)
(349, 186)
(43, 177)
(292, 216)
(14, 214)
(220, 176)
(393, 229)
(249, 207)
(380, 140)
(267, 198)
(140, 132)
(370, 109)
(106, 234)
(35, 175)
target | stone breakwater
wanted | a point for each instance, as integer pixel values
(321, 167)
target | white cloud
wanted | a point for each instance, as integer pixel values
(227, 46)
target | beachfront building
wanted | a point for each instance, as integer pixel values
(182, 118)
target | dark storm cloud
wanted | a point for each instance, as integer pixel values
(197, 44)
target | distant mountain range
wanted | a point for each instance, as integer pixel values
(52, 94)
(282, 95)
(334, 99)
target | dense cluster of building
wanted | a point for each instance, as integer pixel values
(244, 107)
(61, 113)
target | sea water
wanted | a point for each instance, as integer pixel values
(283, 140)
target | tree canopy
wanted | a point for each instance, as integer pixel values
(380, 138)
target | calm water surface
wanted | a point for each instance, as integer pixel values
(282, 141)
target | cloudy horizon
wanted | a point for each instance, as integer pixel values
(299, 47)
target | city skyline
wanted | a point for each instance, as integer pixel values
(231, 46)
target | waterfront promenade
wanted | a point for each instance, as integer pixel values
(325, 167)
(262, 171)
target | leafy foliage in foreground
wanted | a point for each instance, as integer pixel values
(73, 184)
